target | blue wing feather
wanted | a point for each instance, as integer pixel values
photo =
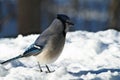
(33, 50)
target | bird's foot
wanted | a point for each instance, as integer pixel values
(50, 71)
(40, 67)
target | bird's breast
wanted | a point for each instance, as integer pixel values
(52, 50)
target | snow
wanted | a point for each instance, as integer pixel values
(86, 56)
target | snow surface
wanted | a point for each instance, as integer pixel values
(86, 56)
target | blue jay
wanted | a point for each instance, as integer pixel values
(50, 43)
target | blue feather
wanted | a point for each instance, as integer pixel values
(33, 50)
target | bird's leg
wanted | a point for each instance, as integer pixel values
(48, 68)
(40, 67)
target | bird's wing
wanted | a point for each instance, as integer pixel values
(33, 50)
(37, 46)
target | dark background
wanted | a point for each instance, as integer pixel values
(33, 16)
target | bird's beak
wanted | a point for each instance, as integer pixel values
(69, 22)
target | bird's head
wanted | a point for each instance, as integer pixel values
(65, 21)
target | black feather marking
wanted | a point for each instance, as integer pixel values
(63, 18)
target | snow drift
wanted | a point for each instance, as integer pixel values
(86, 56)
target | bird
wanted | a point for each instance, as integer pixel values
(49, 44)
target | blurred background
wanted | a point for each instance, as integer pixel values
(33, 16)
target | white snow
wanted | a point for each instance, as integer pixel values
(86, 56)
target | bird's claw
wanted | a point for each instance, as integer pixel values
(50, 71)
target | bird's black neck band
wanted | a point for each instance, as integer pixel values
(64, 26)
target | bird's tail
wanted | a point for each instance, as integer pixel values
(17, 57)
